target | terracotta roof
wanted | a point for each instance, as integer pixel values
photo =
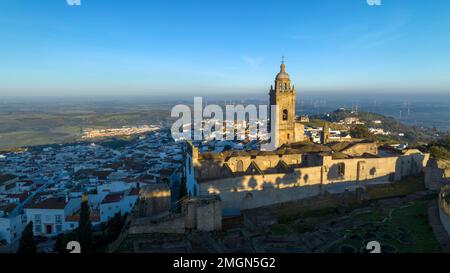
(26, 182)
(20, 196)
(339, 155)
(6, 177)
(50, 203)
(167, 172)
(340, 146)
(8, 208)
(112, 198)
(134, 191)
(294, 148)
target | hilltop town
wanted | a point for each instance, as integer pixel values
(230, 195)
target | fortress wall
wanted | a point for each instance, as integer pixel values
(299, 131)
(437, 174)
(411, 164)
(444, 208)
(359, 169)
(262, 190)
(361, 148)
(209, 217)
(147, 225)
(253, 191)
(445, 219)
(213, 168)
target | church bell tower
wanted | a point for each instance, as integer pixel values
(283, 95)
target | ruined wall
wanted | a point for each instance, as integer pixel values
(209, 217)
(213, 168)
(170, 224)
(254, 191)
(437, 173)
(262, 190)
(411, 164)
(203, 213)
(359, 169)
(444, 209)
(154, 199)
(359, 149)
(299, 129)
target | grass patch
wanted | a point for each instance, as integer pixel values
(399, 188)
(280, 229)
(408, 231)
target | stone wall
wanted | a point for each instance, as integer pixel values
(213, 168)
(252, 191)
(444, 209)
(200, 213)
(154, 199)
(359, 149)
(299, 132)
(209, 217)
(203, 213)
(437, 174)
(169, 224)
(262, 190)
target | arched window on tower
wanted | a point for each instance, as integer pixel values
(285, 114)
(281, 86)
(240, 166)
(285, 86)
(341, 169)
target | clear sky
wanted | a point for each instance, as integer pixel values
(139, 47)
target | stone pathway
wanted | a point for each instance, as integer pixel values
(439, 232)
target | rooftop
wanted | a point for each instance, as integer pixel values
(50, 203)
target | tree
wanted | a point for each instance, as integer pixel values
(440, 152)
(183, 190)
(85, 227)
(27, 243)
(62, 241)
(360, 131)
(114, 227)
(440, 149)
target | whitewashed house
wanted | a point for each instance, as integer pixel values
(49, 215)
(11, 225)
(113, 203)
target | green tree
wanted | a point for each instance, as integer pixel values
(183, 189)
(360, 131)
(27, 243)
(440, 152)
(114, 227)
(85, 228)
(62, 241)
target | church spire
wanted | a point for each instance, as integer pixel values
(282, 75)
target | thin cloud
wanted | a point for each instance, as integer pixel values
(254, 63)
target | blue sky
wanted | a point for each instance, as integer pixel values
(140, 47)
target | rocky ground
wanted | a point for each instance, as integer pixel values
(400, 224)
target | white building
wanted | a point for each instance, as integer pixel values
(7, 182)
(117, 203)
(48, 216)
(11, 225)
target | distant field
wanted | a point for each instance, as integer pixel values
(28, 128)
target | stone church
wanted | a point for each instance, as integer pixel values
(298, 168)
(290, 130)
